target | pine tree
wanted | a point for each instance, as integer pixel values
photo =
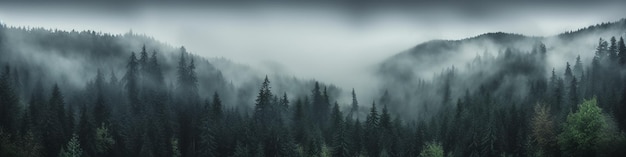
(155, 70)
(612, 49)
(622, 51)
(208, 144)
(216, 108)
(113, 80)
(263, 106)
(355, 106)
(601, 50)
(241, 150)
(87, 132)
(356, 139)
(101, 110)
(340, 141)
(568, 72)
(542, 130)
(372, 138)
(73, 148)
(131, 79)
(318, 104)
(9, 108)
(104, 141)
(336, 118)
(573, 94)
(298, 122)
(578, 68)
(54, 134)
(385, 119)
(187, 79)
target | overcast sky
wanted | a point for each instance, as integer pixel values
(332, 42)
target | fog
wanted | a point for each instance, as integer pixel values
(334, 43)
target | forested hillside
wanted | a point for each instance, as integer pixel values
(96, 94)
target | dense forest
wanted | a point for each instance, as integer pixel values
(172, 103)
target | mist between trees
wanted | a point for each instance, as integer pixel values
(89, 94)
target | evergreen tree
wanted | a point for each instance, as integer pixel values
(573, 94)
(103, 141)
(73, 148)
(9, 107)
(208, 144)
(319, 105)
(568, 73)
(385, 119)
(187, 79)
(372, 139)
(87, 132)
(355, 106)
(336, 118)
(432, 150)
(298, 122)
(131, 79)
(216, 108)
(578, 68)
(602, 49)
(54, 134)
(101, 111)
(621, 51)
(543, 130)
(612, 49)
(263, 106)
(340, 141)
(356, 139)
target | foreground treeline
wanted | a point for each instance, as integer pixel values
(578, 112)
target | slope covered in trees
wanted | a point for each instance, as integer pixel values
(516, 101)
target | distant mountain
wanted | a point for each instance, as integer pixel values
(428, 57)
(501, 65)
(72, 58)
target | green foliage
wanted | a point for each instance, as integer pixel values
(104, 141)
(584, 131)
(72, 149)
(543, 130)
(432, 149)
(340, 142)
(9, 103)
(25, 146)
(175, 147)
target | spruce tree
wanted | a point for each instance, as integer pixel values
(355, 105)
(9, 107)
(54, 135)
(621, 51)
(612, 49)
(87, 132)
(131, 79)
(372, 139)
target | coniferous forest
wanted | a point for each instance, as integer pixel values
(70, 93)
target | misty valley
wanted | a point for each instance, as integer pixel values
(91, 94)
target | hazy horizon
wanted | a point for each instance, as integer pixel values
(296, 39)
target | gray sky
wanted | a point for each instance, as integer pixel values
(335, 43)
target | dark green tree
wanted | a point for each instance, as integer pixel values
(372, 132)
(216, 108)
(54, 133)
(340, 140)
(131, 79)
(621, 51)
(573, 95)
(354, 109)
(263, 106)
(612, 49)
(9, 107)
(87, 132)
